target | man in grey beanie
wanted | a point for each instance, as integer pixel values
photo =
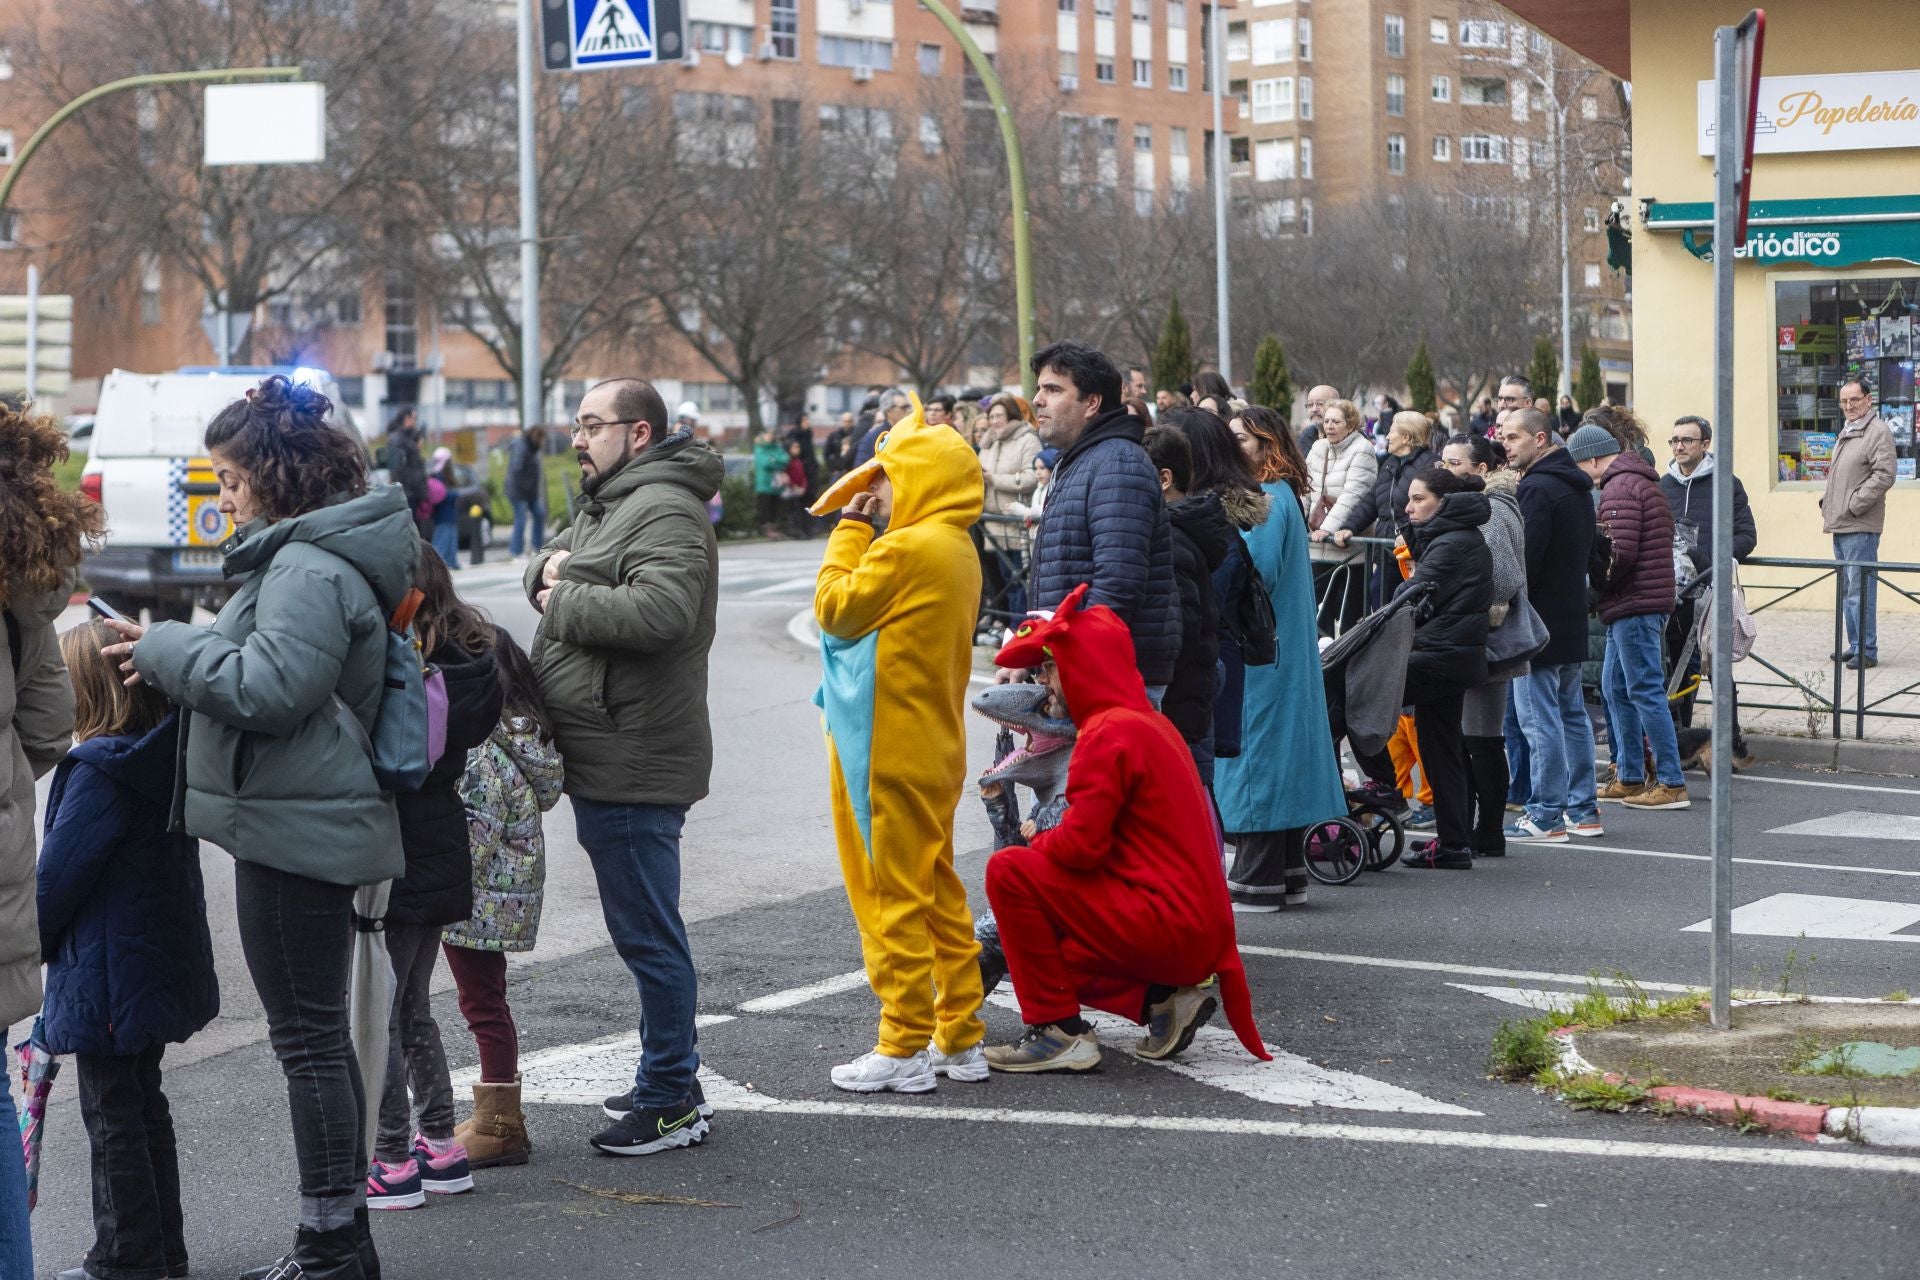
(1636, 598)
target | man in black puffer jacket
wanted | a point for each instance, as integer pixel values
(1556, 501)
(1106, 524)
(1203, 537)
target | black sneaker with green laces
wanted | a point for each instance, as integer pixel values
(647, 1130)
(617, 1107)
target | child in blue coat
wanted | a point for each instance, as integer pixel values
(123, 928)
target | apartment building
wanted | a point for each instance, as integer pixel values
(1125, 76)
(1370, 100)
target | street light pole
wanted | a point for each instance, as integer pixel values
(530, 360)
(1217, 66)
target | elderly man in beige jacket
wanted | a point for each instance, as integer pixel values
(1854, 510)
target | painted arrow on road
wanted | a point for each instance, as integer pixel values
(1856, 824)
(1792, 915)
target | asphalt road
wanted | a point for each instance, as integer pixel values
(1374, 1147)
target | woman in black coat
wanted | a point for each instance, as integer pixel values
(436, 891)
(1454, 571)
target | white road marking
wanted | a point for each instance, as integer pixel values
(582, 1074)
(1533, 997)
(791, 584)
(1750, 862)
(1835, 786)
(1793, 915)
(1856, 824)
(1216, 1058)
(803, 630)
(800, 995)
(1465, 970)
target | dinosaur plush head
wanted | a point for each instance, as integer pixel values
(1092, 650)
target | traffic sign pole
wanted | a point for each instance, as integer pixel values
(530, 358)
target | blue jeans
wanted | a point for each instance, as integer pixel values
(1632, 682)
(528, 513)
(1853, 584)
(1519, 759)
(16, 1240)
(1553, 716)
(635, 851)
(446, 541)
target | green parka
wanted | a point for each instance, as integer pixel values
(621, 651)
(272, 775)
(36, 728)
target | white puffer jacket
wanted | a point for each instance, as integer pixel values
(1344, 473)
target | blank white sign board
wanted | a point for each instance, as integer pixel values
(266, 123)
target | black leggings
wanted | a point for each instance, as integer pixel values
(297, 935)
(1443, 757)
(1487, 763)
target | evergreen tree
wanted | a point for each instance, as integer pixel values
(1272, 385)
(1588, 389)
(1544, 371)
(1173, 359)
(1422, 393)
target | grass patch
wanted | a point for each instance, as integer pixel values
(1524, 1049)
(1596, 1093)
(67, 474)
(1899, 997)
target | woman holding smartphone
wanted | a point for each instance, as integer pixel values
(274, 776)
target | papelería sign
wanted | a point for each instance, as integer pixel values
(1848, 112)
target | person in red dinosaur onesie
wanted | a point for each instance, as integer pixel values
(1123, 906)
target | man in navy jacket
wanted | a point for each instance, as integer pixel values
(1556, 501)
(1106, 523)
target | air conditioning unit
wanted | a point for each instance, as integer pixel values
(766, 52)
(1069, 84)
(691, 60)
(862, 74)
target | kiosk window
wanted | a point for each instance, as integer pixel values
(1828, 331)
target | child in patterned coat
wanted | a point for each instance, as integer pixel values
(511, 779)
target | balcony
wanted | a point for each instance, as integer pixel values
(984, 12)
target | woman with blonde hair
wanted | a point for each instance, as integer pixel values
(1341, 469)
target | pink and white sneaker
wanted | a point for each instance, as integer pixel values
(443, 1166)
(394, 1186)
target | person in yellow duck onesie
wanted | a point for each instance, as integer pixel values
(896, 612)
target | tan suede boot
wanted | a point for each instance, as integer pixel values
(497, 1133)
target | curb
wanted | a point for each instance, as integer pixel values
(1840, 754)
(1808, 1121)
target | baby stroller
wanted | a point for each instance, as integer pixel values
(1365, 673)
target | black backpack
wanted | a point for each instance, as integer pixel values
(1251, 621)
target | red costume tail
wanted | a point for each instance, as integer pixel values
(1236, 1000)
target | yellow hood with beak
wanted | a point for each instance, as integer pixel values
(935, 475)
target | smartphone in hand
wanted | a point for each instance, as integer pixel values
(106, 610)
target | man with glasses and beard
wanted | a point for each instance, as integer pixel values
(627, 596)
(1688, 486)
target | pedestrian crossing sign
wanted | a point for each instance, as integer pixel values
(585, 35)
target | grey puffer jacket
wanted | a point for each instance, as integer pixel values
(1106, 525)
(272, 775)
(1506, 535)
(36, 728)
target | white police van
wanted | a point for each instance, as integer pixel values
(148, 467)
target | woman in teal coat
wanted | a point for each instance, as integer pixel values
(1286, 777)
(769, 464)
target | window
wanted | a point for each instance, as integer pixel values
(1237, 90)
(1589, 108)
(1479, 34)
(1396, 36)
(7, 225)
(6, 63)
(1306, 159)
(1069, 6)
(1177, 77)
(1106, 138)
(1181, 164)
(1274, 160)
(1443, 88)
(720, 38)
(1442, 149)
(1069, 69)
(1103, 70)
(1103, 8)
(1483, 91)
(784, 28)
(1437, 30)
(1303, 28)
(1480, 148)
(1277, 217)
(1143, 138)
(1239, 45)
(1142, 73)
(6, 147)
(786, 125)
(1590, 220)
(859, 137)
(1273, 100)
(851, 51)
(1306, 216)
(929, 133)
(1396, 95)
(1306, 97)
(1176, 15)
(150, 290)
(1839, 329)
(718, 128)
(1239, 157)
(930, 59)
(1592, 275)
(1396, 153)
(1143, 10)
(1272, 41)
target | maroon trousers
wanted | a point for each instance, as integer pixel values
(480, 977)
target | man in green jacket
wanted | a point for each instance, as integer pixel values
(627, 597)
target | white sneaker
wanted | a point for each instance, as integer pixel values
(1255, 908)
(968, 1066)
(877, 1072)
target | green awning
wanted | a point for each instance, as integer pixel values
(1839, 232)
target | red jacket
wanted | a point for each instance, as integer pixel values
(1635, 514)
(1137, 822)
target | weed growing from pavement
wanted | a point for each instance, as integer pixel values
(1816, 707)
(1745, 1121)
(1527, 1049)
(1596, 1093)
(1899, 996)
(1524, 1049)
(1806, 1048)
(1794, 970)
